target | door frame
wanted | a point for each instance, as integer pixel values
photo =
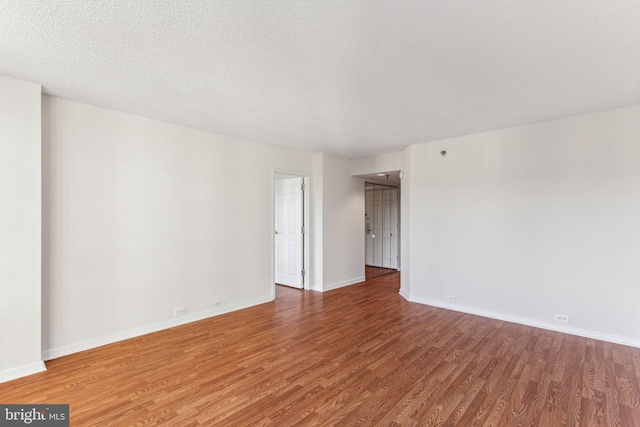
(306, 224)
(371, 181)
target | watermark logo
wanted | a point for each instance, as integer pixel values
(34, 415)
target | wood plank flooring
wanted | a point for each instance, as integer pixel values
(370, 271)
(360, 355)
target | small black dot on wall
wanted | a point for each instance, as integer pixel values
(443, 153)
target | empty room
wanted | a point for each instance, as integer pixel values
(330, 213)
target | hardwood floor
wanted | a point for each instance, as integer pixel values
(370, 271)
(360, 355)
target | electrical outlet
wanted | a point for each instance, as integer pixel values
(451, 298)
(217, 303)
(180, 311)
(562, 318)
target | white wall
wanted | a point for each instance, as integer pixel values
(527, 222)
(20, 219)
(141, 217)
(405, 219)
(317, 226)
(343, 223)
(377, 164)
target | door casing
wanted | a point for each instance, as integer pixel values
(276, 174)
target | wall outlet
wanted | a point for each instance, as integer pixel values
(217, 303)
(451, 298)
(180, 311)
(562, 318)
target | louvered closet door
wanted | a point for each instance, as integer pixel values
(381, 227)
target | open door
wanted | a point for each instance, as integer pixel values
(289, 222)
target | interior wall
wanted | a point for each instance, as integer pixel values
(343, 223)
(528, 222)
(143, 217)
(20, 223)
(377, 164)
(405, 219)
(317, 226)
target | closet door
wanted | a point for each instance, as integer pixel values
(381, 227)
(377, 228)
(368, 219)
(390, 227)
(386, 227)
(393, 228)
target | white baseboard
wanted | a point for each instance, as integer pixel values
(343, 284)
(22, 371)
(404, 295)
(136, 332)
(572, 330)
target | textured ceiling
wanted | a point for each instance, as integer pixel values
(353, 78)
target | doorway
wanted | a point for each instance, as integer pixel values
(381, 229)
(290, 230)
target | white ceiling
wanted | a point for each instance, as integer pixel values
(352, 78)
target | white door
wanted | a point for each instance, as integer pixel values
(376, 236)
(390, 228)
(368, 216)
(289, 232)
